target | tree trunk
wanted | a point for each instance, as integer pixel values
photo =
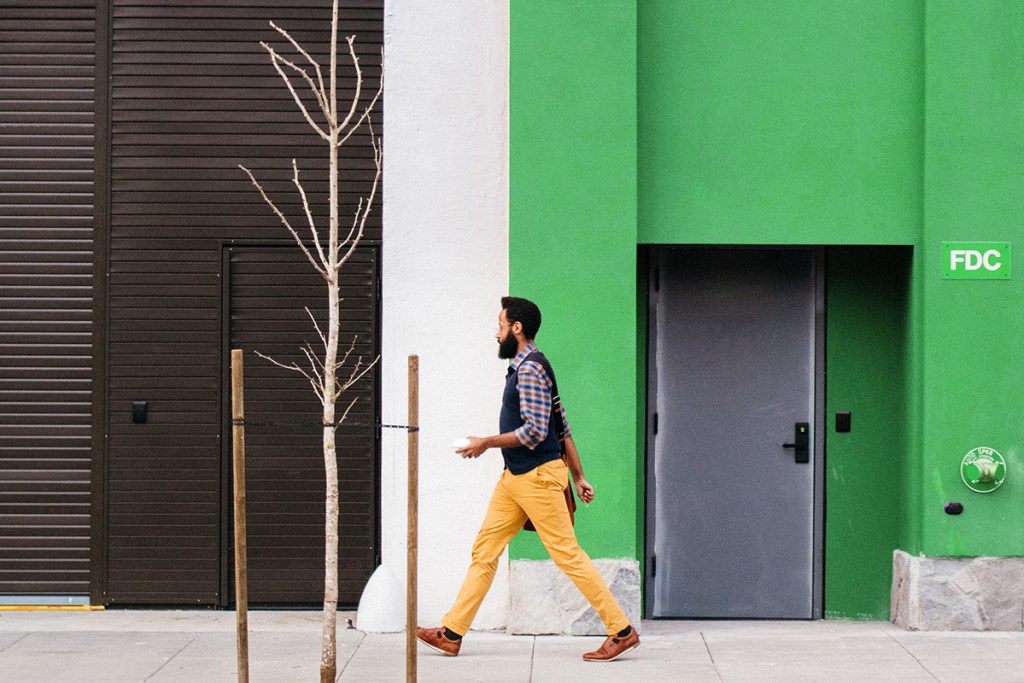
(329, 651)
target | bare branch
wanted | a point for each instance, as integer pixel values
(316, 325)
(369, 107)
(311, 357)
(355, 370)
(366, 115)
(334, 64)
(284, 220)
(309, 217)
(355, 224)
(314, 360)
(345, 414)
(295, 368)
(359, 83)
(347, 353)
(277, 60)
(378, 152)
(353, 380)
(316, 65)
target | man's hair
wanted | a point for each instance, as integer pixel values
(523, 311)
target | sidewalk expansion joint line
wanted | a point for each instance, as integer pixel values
(707, 648)
(171, 658)
(12, 644)
(913, 656)
(533, 654)
(355, 651)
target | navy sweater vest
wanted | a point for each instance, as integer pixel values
(521, 459)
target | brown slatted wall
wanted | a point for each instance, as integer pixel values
(269, 289)
(193, 96)
(47, 71)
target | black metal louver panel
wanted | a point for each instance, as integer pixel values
(47, 82)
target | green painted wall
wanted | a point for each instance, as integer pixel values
(973, 345)
(573, 237)
(795, 122)
(867, 122)
(865, 468)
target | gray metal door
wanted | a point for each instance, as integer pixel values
(734, 349)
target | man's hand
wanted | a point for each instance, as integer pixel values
(475, 449)
(584, 490)
(479, 444)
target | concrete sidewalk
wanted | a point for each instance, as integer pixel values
(199, 646)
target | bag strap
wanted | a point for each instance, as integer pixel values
(555, 420)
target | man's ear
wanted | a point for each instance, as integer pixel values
(517, 328)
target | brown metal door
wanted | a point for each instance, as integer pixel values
(269, 289)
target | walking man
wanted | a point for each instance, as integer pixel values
(532, 486)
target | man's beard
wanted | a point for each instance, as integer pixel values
(508, 347)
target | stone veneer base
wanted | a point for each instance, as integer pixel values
(544, 601)
(957, 593)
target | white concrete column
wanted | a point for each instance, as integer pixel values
(445, 267)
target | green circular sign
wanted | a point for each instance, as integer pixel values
(983, 470)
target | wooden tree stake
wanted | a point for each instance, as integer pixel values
(241, 570)
(413, 519)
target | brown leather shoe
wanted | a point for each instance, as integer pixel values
(614, 647)
(435, 639)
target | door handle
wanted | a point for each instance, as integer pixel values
(801, 442)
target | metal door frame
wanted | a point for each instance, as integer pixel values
(817, 556)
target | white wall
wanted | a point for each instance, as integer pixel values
(445, 267)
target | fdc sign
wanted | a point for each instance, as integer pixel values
(976, 260)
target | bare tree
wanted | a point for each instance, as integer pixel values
(323, 372)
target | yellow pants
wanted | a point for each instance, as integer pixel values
(538, 494)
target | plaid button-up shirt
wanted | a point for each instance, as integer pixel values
(534, 387)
